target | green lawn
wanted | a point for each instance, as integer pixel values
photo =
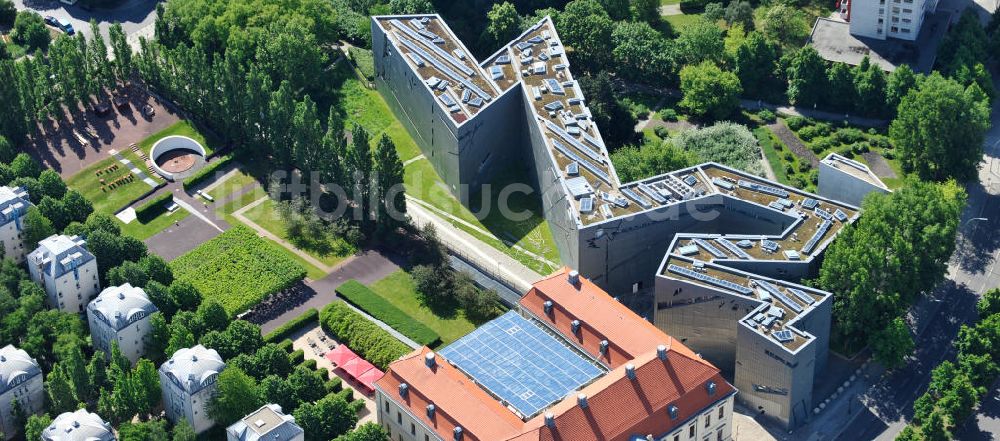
(105, 199)
(678, 22)
(143, 231)
(334, 249)
(364, 106)
(235, 182)
(398, 288)
(182, 128)
(767, 144)
(669, 2)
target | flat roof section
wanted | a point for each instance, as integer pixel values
(834, 42)
(521, 363)
(853, 168)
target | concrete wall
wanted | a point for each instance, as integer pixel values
(864, 18)
(838, 185)
(13, 245)
(30, 395)
(493, 139)
(772, 380)
(72, 291)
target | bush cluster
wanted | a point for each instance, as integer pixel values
(285, 330)
(363, 337)
(154, 207)
(364, 60)
(207, 172)
(371, 303)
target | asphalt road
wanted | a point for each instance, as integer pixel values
(136, 16)
(973, 270)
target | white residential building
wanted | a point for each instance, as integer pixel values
(121, 314)
(21, 381)
(66, 270)
(881, 19)
(78, 426)
(267, 423)
(188, 382)
(14, 204)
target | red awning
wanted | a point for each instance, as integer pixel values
(341, 355)
(356, 367)
(369, 377)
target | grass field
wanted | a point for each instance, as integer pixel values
(143, 231)
(105, 199)
(398, 288)
(266, 215)
(181, 128)
(767, 144)
(678, 22)
(231, 184)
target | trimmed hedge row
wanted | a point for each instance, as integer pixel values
(334, 385)
(286, 345)
(287, 329)
(298, 356)
(366, 300)
(155, 207)
(309, 364)
(365, 338)
(206, 172)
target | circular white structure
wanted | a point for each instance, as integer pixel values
(177, 157)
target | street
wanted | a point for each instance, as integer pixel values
(972, 271)
(136, 16)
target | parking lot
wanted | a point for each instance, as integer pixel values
(136, 16)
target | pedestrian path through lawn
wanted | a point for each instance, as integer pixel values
(135, 170)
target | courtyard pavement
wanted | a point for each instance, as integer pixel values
(181, 237)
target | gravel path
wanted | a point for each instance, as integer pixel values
(793, 142)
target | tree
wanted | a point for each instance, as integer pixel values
(701, 41)
(366, 432)
(180, 338)
(24, 166)
(714, 12)
(97, 373)
(989, 303)
(60, 392)
(892, 344)
(240, 337)
(306, 135)
(899, 83)
(184, 432)
(935, 428)
(869, 87)
(409, 7)
(709, 91)
(502, 24)
(389, 184)
(306, 384)
(784, 23)
(755, 64)
(610, 115)
(112, 250)
(633, 163)
(939, 130)
(213, 316)
(359, 165)
(128, 272)
(159, 338)
(586, 27)
(36, 228)
(157, 269)
(325, 419)
(236, 397)
(274, 389)
(153, 430)
(122, 66)
(73, 365)
(36, 425)
(185, 295)
(7, 13)
(645, 10)
(807, 80)
(740, 12)
(30, 31)
(641, 53)
(146, 385)
(840, 76)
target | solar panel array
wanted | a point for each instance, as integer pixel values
(655, 195)
(603, 175)
(840, 215)
(822, 213)
(783, 335)
(635, 197)
(521, 363)
(761, 188)
(733, 248)
(709, 279)
(769, 245)
(711, 249)
(776, 293)
(823, 228)
(809, 203)
(409, 43)
(802, 295)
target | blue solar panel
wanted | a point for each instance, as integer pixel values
(521, 363)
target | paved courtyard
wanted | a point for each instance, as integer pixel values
(311, 341)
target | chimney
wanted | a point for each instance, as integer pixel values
(661, 352)
(430, 411)
(429, 360)
(573, 278)
(630, 371)
(548, 307)
(458, 433)
(575, 326)
(403, 389)
(550, 420)
(604, 347)
(582, 400)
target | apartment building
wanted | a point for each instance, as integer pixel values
(188, 382)
(882, 19)
(121, 314)
(266, 424)
(78, 426)
(67, 271)
(14, 203)
(20, 381)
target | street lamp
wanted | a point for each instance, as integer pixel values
(977, 219)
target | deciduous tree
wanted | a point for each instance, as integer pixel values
(709, 91)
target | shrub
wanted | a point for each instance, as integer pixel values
(726, 143)
(363, 337)
(789, 169)
(668, 114)
(849, 135)
(824, 143)
(364, 60)
(346, 395)
(334, 385)
(154, 207)
(789, 156)
(689, 6)
(808, 133)
(767, 115)
(662, 132)
(207, 172)
(845, 151)
(238, 269)
(286, 344)
(308, 364)
(805, 166)
(797, 122)
(860, 148)
(298, 356)
(365, 299)
(292, 325)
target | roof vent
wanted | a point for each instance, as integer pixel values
(604, 347)
(259, 423)
(76, 424)
(429, 360)
(573, 278)
(121, 295)
(458, 433)
(575, 326)
(547, 306)
(403, 389)
(430, 411)
(630, 371)
(661, 352)
(710, 387)
(194, 358)
(550, 420)
(3, 358)
(582, 400)
(672, 410)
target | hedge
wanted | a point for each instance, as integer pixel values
(346, 394)
(308, 364)
(238, 269)
(334, 385)
(376, 306)
(365, 338)
(364, 60)
(298, 356)
(206, 172)
(155, 207)
(286, 344)
(289, 328)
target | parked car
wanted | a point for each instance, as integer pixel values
(51, 21)
(66, 27)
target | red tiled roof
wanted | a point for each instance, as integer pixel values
(618, 407)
